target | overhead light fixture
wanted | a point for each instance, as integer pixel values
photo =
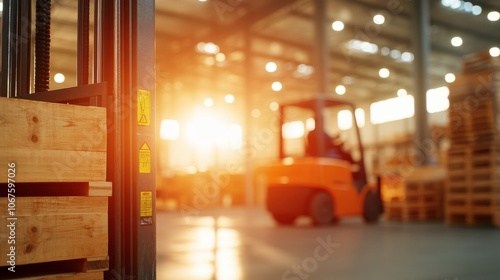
(493, 16)
(385, 51)
(304, 69)
(229, 98)
(220, 57)
(407, 57)
(338, 25)
(456, 41)
(379, 19)
(271, 67)
(449, 78)
(276, 86)
(395, 54)
(363, 46)
(462, 6)
(207, 48)
(59, 78)
(255, 113)
(340, 90)
(274, 106)
(402, 92)
(494, 52)
(384, 73)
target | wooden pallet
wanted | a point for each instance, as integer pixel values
(408, 213)
(52, 142)
(468, 217)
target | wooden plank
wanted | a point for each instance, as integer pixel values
(33, 165)
(56, 228)
(52, 142)
(51, 126)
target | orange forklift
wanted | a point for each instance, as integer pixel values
(314, 176)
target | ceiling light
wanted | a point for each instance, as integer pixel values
(456, 4)
(229, 98)
(59, 78)
(220, 57)
(468, 7)
(395, 54)
(305, 69)
(447, 3)
(456, 41)
(494, 52)
(385, 51)
(379, 19)
(407, 57)
(384, 73)
(338, 25)
(255, 113)
(493, 16)
(348, 80)
(271, 67)
(274, 106)
(340, 90)
(449, 78)
(402, 92)
(476, 10)
(208, 102)
(276, 86)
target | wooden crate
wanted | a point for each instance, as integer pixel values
(69, 230)
(52, 142)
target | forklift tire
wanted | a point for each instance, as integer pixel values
(321, 209)
(371, 207)
(283, 219)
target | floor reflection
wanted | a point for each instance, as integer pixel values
(208, 249)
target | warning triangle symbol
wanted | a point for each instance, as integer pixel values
(143, 119)
(145, 147)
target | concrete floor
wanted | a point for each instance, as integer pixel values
(250, 246)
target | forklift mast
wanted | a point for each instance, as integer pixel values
(122, 80)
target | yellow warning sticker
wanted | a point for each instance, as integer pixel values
(144, 107)
(146, 204)
(144, 159)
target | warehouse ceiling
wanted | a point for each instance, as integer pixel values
(249, 34)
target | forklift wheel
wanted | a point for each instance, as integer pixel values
(321, 209)
(283, 219)
(371, 209)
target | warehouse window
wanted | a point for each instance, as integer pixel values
(437, 100)
(392, 109)
(293, 130)
(344, 119)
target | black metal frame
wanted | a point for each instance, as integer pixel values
(124, 63)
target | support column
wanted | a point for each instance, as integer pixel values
(421, 49)
(321, 65)
(249, 182)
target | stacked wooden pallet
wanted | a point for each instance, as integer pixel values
(416, 196)
(54, 203)
(473, 187)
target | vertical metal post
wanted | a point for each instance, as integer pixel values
(321, 65)
(129, 67)
(83, 43)
(249, 186)
(24, 48)
(9, 31)
(421, 46)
